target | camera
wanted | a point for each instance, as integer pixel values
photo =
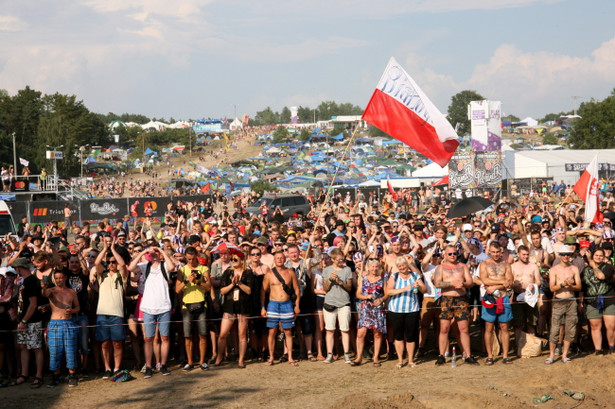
(196, 274)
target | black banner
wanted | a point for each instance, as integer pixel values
(103, 208)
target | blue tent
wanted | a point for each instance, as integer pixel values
(338, 137)
(148, 151)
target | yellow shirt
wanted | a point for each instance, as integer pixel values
(192, 292)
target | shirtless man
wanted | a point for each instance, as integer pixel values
(263, 245)
(62, 333)
(280, 311)
(524, 274)
(453, 278)
(564, 280)
(496, 275)
(395, 251)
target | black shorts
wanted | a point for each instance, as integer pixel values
(405, 326)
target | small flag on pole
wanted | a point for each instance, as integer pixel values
(588, 190)
(24, 162)
(391, 190)
(400, 108)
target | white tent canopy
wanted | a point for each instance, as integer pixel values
(431, 170)
(236, 124)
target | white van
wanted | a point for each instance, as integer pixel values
(7, 224)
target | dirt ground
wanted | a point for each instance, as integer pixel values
(317, 385)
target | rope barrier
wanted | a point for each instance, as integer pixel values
(314, 314)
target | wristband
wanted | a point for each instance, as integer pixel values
(262, 307)
(185, 282)
(24, 322)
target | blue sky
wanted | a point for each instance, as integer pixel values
(201, 58)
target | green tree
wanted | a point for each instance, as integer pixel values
(553, 116)
(458, 110)
(20, 115)
(267, 117)
(304, 135)
(66, 122)
(285, 116)
(511, 118)
(280, 134)
(549, 139)
(596, 127)
(262, 186)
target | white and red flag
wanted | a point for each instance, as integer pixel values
(391, 190)
(588, 189)
(401, 109)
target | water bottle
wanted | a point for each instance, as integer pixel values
(415, 289)
(454, 359)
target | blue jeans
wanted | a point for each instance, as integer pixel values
(163, 321)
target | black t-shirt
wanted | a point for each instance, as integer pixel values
(29, 288)
(244, 303)
(79, 282)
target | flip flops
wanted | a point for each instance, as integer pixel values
(293, 363)
(489, 361)
(21, 379)
(37, 383)
(548, 361)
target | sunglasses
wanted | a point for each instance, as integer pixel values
(284, 248)
(565, 254)
(112, 262)
(255, 254)
(372, 259)
(235, 259)
(451, 254)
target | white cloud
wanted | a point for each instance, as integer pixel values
(11, 24)
(536, 83)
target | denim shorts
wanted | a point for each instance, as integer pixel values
(110, 327)
(163, 321)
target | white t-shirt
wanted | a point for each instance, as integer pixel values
(156, 299)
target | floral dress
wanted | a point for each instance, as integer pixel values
(371, 316)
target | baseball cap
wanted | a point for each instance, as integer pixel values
(21, 262)
(584, 244)
(467, 227)
(608, 234)
(262, 240)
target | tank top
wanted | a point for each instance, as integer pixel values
(407, 301)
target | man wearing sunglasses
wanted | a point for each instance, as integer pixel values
(564, 280)
(453, 278)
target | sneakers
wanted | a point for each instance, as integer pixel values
(204, 366)
(108, 374)
(158, 366)
(187, 367)
(347, 359)
(164, 370)
(148, 373)
(329, 359)
(144, 368)
(471, 360)
(72, 380)
(55, 381)
(441, 360)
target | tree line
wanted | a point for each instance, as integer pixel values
(42, 122)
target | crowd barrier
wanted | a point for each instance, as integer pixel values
(92, 210)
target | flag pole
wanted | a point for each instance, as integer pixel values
(322, 206)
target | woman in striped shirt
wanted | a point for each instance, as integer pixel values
(404, 308)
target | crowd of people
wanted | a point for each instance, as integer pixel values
(358, 279)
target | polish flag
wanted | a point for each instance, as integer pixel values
(391, 190)
(587, 188)
(401, 109)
